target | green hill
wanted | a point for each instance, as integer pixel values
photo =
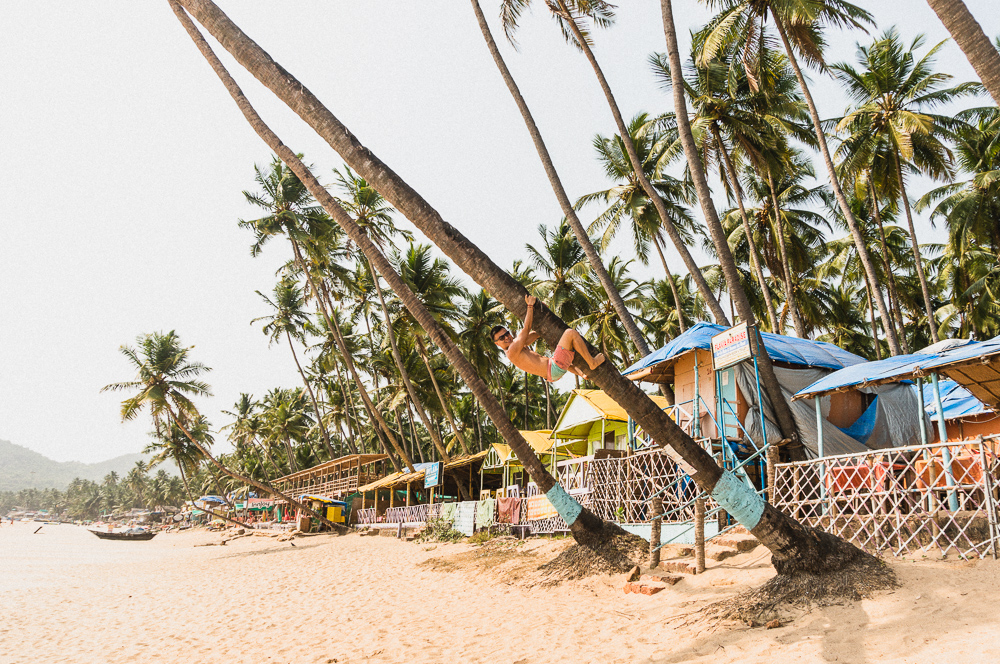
(21, 468)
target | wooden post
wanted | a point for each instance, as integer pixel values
(699, 535)
(772, 461)
(408, 494)
(376, 502)
(654, 535)
(432, 495)
(392, 497)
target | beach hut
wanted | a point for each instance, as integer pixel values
(592, 423)
(965, 416)
(717, 399)
(502, 470)
(338, 478)
(432, 482)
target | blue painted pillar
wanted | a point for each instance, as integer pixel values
(945, 452)
(923, 412)
(821, 452)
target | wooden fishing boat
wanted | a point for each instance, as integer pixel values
(127, 535)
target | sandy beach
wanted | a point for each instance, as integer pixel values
(66, 596)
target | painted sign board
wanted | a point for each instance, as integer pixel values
(432, 475)
(731, 347)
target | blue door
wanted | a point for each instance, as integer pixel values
(726, 380)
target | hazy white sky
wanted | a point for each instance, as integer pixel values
(124, 160)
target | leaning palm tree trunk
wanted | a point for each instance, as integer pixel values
(838, 192)
(796, 549)
(404, 374)
(969, 36)
(190, 494)
(570, 212)
(661, 208)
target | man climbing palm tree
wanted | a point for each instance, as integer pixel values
(550, 368)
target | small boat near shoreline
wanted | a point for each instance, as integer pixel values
(133, 534)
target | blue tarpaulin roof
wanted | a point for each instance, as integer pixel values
(957, 401)
(791, 350)
(863, 374)
(898, 368)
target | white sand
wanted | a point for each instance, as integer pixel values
(66, 596)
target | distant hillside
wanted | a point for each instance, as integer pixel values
(21, 468)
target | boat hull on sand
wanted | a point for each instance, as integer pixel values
(124, 536)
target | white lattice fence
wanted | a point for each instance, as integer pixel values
(899, 500)
(623, 487)
(366, 516)
(411, 514)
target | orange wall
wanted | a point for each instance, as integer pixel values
(684, 387)
(970, 427)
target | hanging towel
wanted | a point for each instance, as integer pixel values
(484, 513)
(448, 512)
(465, 518)
(509, 510)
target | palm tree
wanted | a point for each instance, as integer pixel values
(892, 94)
(736, 123)
(799, 26)
(292, 212)
(289, 320)
(569, 19)
(166, 380)
(969, 36)
(626, 200)
(562, 263)
(731, 272)
(170, 441)
(796, 549)
(971, 208)
(430, 280)
(510, 10)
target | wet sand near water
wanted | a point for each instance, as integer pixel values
(66, 596)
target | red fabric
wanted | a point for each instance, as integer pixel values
(508, 510)
(563, 357)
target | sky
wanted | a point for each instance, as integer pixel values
(124, 162)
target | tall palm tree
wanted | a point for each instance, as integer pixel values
(510, 11)
(892, 93)
(569, 18)
(562, 264)
(969, 36)
(170, 442)
(795, 548)
(626, 200)
(166, 380)
(800, 27)
(737, 123)
(289, 320)
(727, 264)
(971, 207)
(439, 292)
